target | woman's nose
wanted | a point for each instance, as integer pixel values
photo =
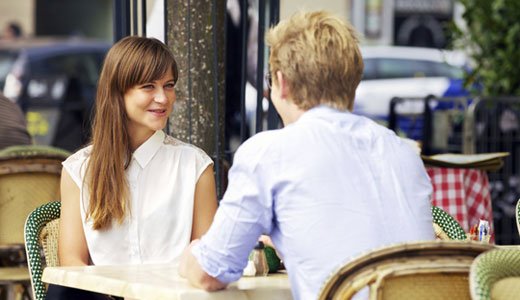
(161, 96)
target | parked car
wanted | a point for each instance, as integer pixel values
(409, 72)
(54, 82)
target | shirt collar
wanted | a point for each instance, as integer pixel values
(147, 150)
(320, 111)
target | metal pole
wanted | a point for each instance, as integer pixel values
(218, 160)
(260, 66)
(243, 69)
(134, 17)
(273, 119)
(143, 17)
(121, 19)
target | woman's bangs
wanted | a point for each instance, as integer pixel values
(155, 66)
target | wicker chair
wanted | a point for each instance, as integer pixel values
(496, 275)
(418, 270)
(41, 232)
(445, 226)
(29, 177)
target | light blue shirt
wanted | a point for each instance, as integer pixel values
(326, 188)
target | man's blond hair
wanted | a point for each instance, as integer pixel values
(318, 55)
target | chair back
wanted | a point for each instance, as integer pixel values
(41, 232)
(418, 270)
(446, 227)
(29, 177)
(496, 274)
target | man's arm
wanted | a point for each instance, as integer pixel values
(191, 269)
(244, 213)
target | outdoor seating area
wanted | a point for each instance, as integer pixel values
(456, 265)
(267, 149)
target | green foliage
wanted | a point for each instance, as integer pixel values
(493, 36)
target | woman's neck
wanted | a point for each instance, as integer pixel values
(136, 140)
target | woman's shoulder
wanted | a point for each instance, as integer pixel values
(81, 154)
(75, 163)
(178, 145)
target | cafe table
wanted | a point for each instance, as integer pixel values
(463, 193)
(162, 282)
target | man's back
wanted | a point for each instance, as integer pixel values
(341, 185)
(13, 129)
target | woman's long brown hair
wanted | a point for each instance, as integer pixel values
(131, 61)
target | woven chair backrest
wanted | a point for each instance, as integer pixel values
(48, 239)
(41, 231)
(448, 224)
(25, 184)
(490, 270)
(419, 270)
(29, 177)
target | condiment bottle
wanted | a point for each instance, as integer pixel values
(260, 260)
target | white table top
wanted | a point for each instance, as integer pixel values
(162, 282)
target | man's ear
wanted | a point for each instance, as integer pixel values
(282, 84)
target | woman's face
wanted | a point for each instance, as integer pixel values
(148, 106)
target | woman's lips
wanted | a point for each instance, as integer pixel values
(158, 112)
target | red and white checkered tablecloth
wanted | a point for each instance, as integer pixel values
(463, 193)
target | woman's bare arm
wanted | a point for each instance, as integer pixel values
(72, 246)
(205, 204)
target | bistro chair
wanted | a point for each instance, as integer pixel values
(496, 275)
(29, 177)
(445, 226)
(417, 270)
(41, 235)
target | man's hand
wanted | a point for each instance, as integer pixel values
(190, 269)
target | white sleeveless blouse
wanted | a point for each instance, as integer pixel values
(162, 177)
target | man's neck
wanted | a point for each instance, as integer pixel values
(292, 114)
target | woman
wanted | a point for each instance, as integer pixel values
(135, 195)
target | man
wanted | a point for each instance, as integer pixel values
(13, 130)
(328, 186)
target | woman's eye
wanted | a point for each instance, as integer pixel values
(170, 85)
(147, 86)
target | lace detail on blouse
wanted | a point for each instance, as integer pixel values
(169, 140)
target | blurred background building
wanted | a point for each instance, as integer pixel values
(386, 22)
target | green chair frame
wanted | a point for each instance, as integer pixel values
(448, 224)
(517, 214)
(33, 228)
(491, 267)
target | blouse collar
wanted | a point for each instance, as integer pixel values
(147, 150)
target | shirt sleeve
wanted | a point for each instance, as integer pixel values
(202, 161)
(243, 215)
(76, 164)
